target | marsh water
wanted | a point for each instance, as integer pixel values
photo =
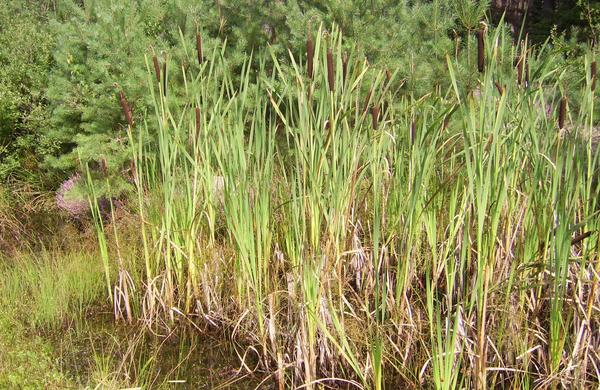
(185, 358)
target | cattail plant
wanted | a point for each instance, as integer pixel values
(375, 116)
(310, 53)
(455, 190)
(199, 47)
(126, 108)
(156, 68)
(593, 72)
(562, 113)
(480, 50)
(330, 74)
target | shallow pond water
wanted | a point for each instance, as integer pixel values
(185, 359)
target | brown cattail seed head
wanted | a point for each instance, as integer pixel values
(499, 88)
(413, 131)
(199, 47)
(156, 68)
(520, 66)
(310, 53)
(388, 76)
(562, 113)
(375, 116)
(165, 77)
(480, 51)
(345, 66)
(330, 75)
(593, 75)
(126, 108)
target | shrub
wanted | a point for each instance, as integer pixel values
(25, 59)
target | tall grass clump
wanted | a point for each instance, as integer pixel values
(58, 288)
(353, 234)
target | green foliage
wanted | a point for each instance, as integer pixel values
(408, 37)
(58, 287)
(103, 45)
(575, 18)
(102, 50)
(25, 59)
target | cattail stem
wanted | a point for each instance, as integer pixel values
(330, 75)
(199, 47)
(195, 135)
(310, 53)
(480, 51)
(593, 71)
(126, 108)
(375, 116)
(156, 68)
(562, 113)
(197, 122)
